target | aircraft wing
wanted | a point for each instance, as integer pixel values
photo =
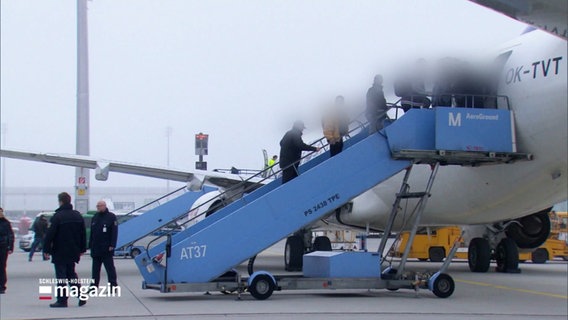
(547, 15)
(102, 168)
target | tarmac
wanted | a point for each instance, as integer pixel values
(539, 291)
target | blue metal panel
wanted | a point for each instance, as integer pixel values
(238, 232)
(413, 131)
(474, 129)
(140, 226)
(329, 264)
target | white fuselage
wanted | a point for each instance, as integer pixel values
(535, 80)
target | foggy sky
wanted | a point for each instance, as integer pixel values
(241, 71)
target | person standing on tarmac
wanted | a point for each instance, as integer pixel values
(104, 233)
(65, 241)
(6, 248)
(291, 147)
(39, 227)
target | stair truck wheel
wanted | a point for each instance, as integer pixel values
(294, 253)
(135, 252)
(436, 254)
(540, 255)
(261, 285)
(479, 255)
(442, 285)
(322, 244)
(507, 256)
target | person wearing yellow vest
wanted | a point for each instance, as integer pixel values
(271, 163)
(335, 126)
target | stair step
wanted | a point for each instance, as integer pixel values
(410, 195)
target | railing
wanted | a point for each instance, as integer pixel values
(234, 170)
(251, 184)
(458, 100)
(127, 216)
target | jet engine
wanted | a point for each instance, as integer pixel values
(531, 231)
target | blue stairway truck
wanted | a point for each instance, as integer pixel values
(239, 231)
(207, 252)
(141, 226)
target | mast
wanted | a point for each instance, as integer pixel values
(82, 174)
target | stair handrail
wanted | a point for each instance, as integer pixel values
(125, 217)
(253, 185)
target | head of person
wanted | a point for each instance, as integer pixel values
(378, 80)
(2, 213)
(339, 101)
(299, 125)
(101, 206)
(274, 157)
(64, 198)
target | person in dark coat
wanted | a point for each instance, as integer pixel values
(6, 248)
(377, 108)
(65, 241)
(291, 147)
(39, 227)
(411, 87)
(104, 232)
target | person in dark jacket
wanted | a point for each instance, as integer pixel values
(377, 108)
(40, 229)
(104, 232)
(291, 147)
(65, 241)
(6, 248)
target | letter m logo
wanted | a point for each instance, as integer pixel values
(454, 120)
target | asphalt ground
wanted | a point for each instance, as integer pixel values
(538, 292)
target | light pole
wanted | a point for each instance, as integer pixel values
(82, 174)
(4, 130)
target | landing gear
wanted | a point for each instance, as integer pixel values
(507, 256)
(322, 244)
(296, 247)
(479, 255)
(293, 253)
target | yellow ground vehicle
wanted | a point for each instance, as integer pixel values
(557, 243)
(436, 245)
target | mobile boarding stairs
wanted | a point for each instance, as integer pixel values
(202, 257)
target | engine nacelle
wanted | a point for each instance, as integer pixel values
(205, 206)
(531, 231)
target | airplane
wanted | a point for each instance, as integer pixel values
(502, 208)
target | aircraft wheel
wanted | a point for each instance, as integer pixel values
(443, 286)
(322, 244)
(540, 255)
(507, 256)
(261, 287)
(479, 255)
(293, 253)
(436, 254)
